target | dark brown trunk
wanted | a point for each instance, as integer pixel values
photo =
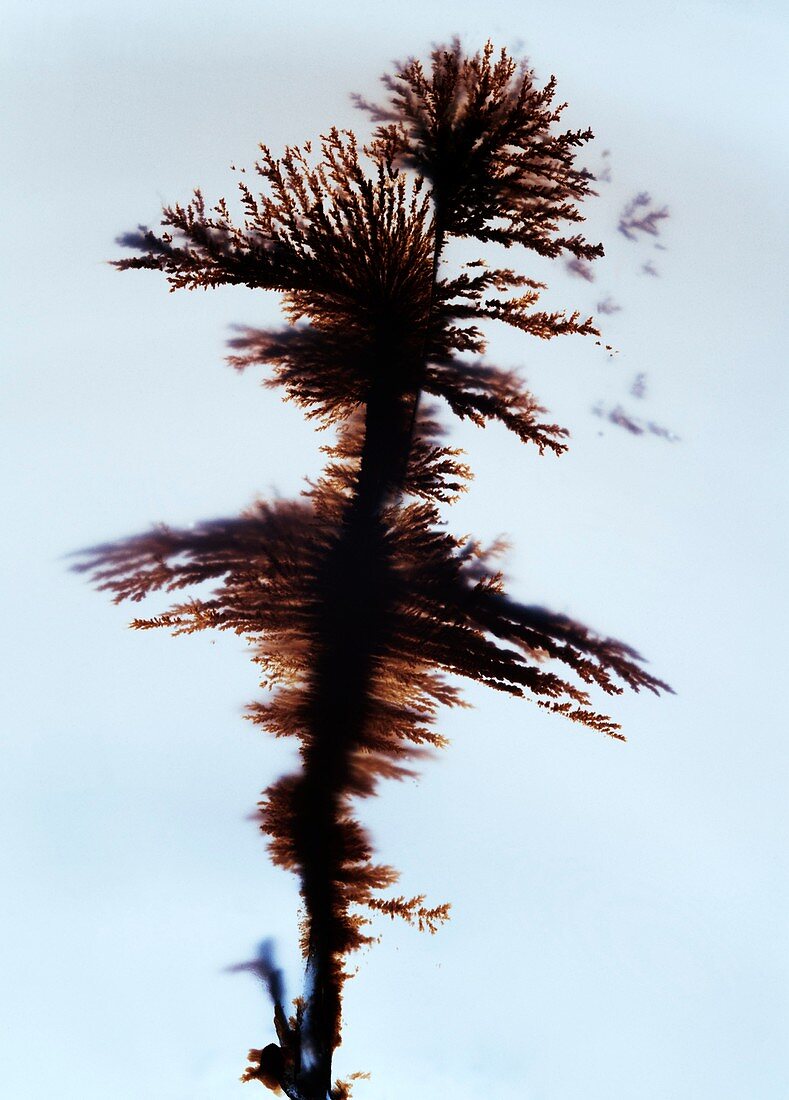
(353, 621)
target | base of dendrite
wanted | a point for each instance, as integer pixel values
(269, 1066)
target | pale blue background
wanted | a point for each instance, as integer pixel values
(619, 912)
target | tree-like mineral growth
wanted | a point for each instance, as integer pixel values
(357, 600)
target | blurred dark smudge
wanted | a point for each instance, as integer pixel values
(580, 268)
(622, 419)
(265, 969)
(638, 386)
(640, 216)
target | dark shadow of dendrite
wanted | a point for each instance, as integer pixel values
(638, 387)
(358, 602)
(580, 268)
(634, 425)
(641, 216)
